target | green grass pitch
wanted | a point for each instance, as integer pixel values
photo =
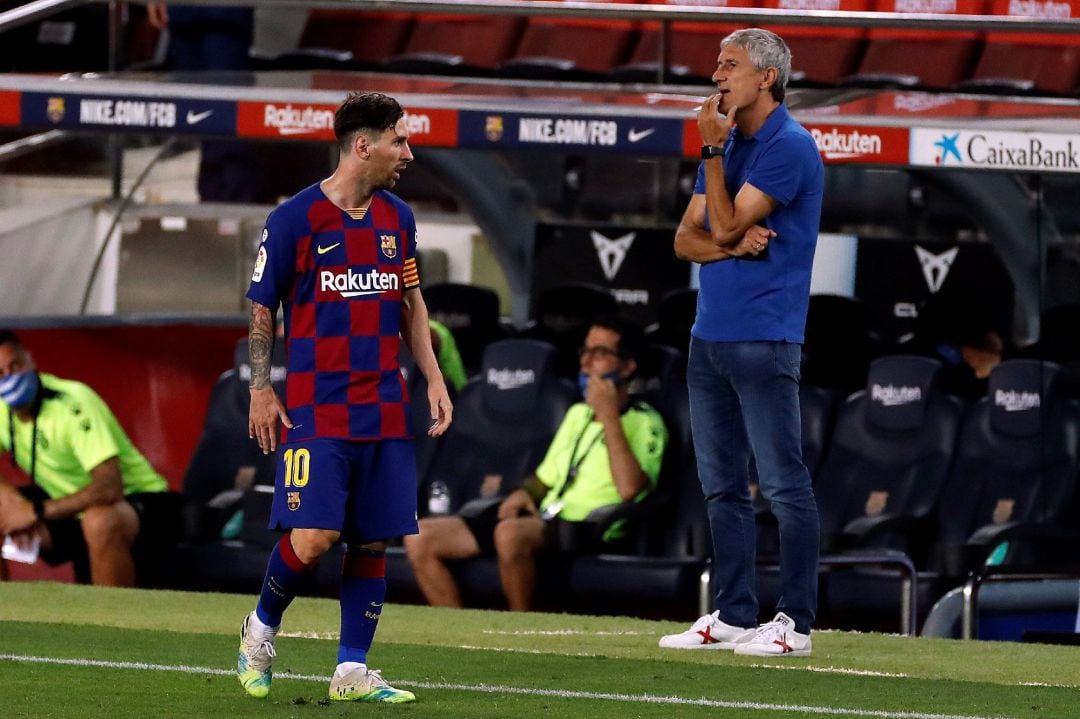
(86, 652)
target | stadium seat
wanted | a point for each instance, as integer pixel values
(821, 56)
(226, 461)
(944, 57)
(471, 313)
(562, 313)
(656, 572)
(692, 50)
(504, 421)
(1015, 476)
(1027, 63)
(888, 458)
(457, 44)
(367, 38)
(674, 317)
(1059, 343)
(839, 343)
(569, 49)
(879, 485)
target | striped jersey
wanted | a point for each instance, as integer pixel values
(340, 276)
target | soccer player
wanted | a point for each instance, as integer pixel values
(341, 257)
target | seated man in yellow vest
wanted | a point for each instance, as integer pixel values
(91, 490)
(607, 450)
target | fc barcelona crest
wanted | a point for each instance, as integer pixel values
(493, 128)
(54, 108)
(293, 499)
(388, 243)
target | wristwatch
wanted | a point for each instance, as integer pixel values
(710, 151)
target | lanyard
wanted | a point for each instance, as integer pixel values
(572, 470)
(33, 442)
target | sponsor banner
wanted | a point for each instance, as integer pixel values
(595, 133)
(9, 107)
(691, 144)
(636, 264)
(300, 121)
(986, 150)
(860, 144)
(841, 144)
(153, 115)
(307, 121)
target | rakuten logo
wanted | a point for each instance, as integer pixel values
(892, 396)
(1013, 401)
(837, 145)
(510, 378)
(809, 4)
(355, 284)
(1033, 8)
(418, 124)
(935, 6)
(291, 120)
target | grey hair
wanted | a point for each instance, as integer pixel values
(766, 49)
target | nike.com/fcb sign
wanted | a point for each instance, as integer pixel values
(174, 116)
(647, 136)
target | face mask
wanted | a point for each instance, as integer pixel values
(583, 379)
(18, 390)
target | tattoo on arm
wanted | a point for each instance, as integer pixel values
(260, 344)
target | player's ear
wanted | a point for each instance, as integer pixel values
(362, 146)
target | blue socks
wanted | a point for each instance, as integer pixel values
(363, 589)
(285, 575)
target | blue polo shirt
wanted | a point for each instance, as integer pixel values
(766, 297)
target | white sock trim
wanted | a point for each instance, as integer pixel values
(259, 628)
(346, 667)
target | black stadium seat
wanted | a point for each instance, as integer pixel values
(879, 486)
(471, 313)
(226, 461)
(504, 421)
(1016, 472)
(563, 314)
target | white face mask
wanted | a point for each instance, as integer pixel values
(19, 389)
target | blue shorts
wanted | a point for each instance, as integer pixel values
(365, 490)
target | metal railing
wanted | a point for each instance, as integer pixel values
(664, 14)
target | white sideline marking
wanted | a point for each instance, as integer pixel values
(563, 633)
(499, 689)
(834, 670)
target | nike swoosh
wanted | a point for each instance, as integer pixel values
(639, 135)
(323, 250)
(194, 118)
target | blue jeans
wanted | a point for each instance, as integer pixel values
(744, 397)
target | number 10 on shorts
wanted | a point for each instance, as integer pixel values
(297, 467)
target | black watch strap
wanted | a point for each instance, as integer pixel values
(39, 507)
(710, 151)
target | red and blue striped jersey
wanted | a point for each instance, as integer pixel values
(340, 275)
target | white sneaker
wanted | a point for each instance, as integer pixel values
(366, 685)
(778, 638)
(708, 632)
(254, 659)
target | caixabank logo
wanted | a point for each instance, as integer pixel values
(1038, 152)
